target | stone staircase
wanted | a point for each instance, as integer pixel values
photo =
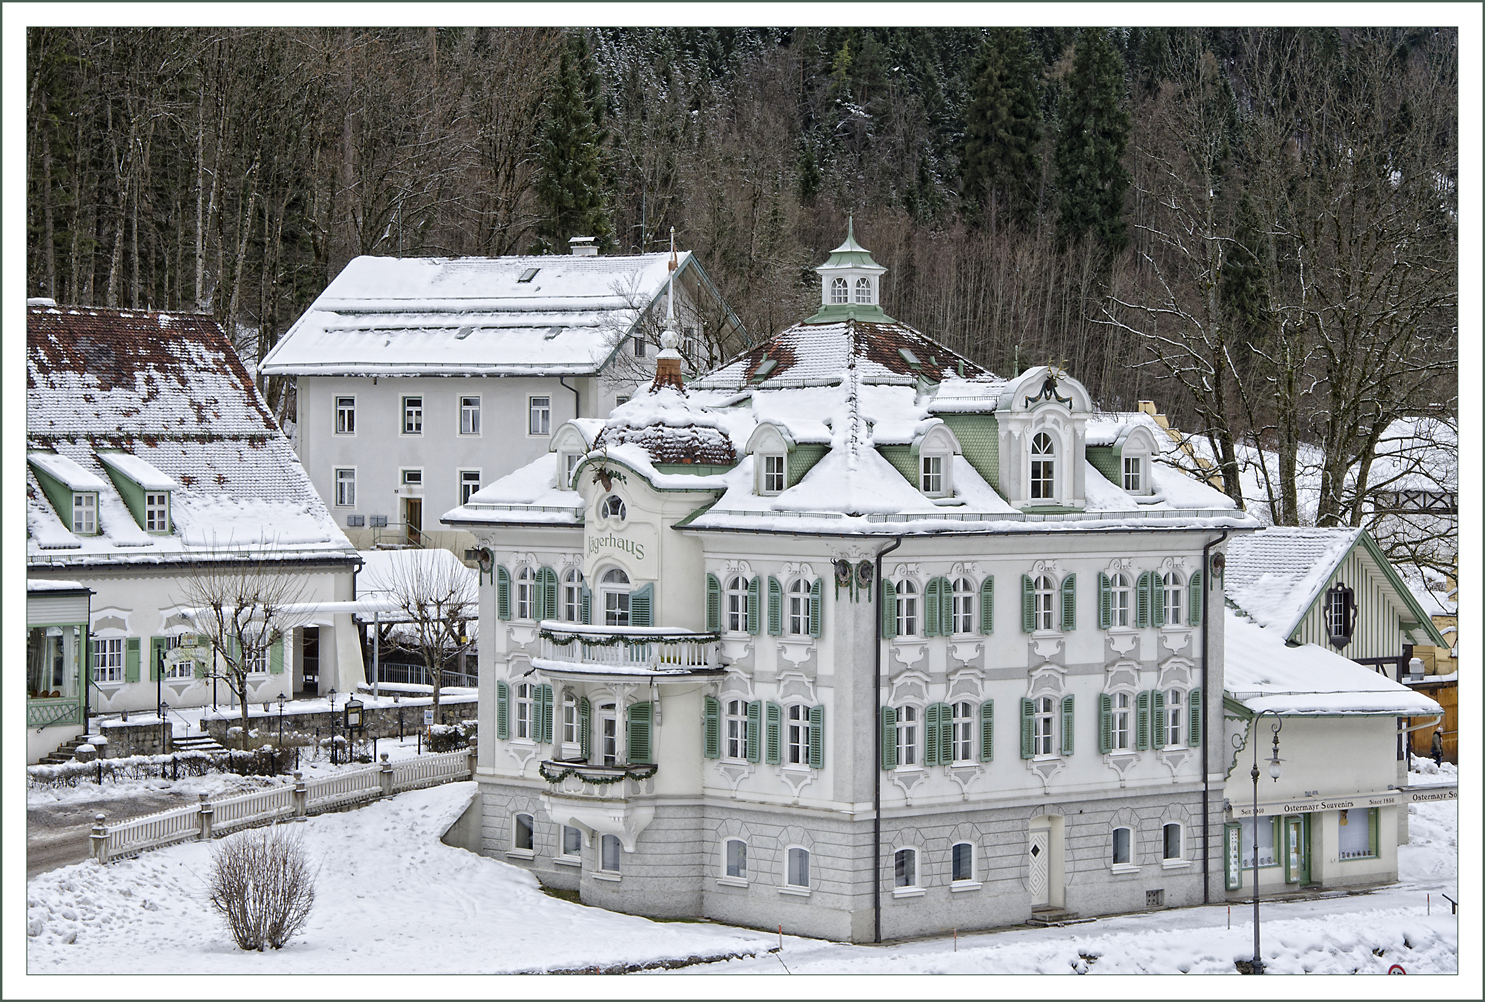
(1054, 917)
(196, 742)
(65, 753)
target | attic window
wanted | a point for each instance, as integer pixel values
(552, 332)
(1340, 615)
(464, 332)
(84, 512)
(764, 368)
(909, 357)
(528, 274)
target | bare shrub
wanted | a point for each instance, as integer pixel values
(262, 883)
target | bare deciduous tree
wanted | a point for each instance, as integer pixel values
(436, 601)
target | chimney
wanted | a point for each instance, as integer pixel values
(583, 246)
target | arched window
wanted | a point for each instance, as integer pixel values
(863, 290)
(1123, 847)
(963, 855)
(907, 736)
(798, 868)
(613, 507)
(735, 859)
(572, 595)
(1171, 593)
(961, 735)
(736, 721)
(608, 734)
(1041, 726)
(839, 293)
(1121, 729)
(737, 604)
(1120, 592)
(964, 606)
(905, 868)
(799, 607)
(1043, 467)
(571, 740)
(525, 835)
(907, 608)
(1172, 722)
(614, 586)
(1172, 839)
(525, 592)
(1044, 593)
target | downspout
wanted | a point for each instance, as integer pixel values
(1206, 745)
(577, 401)
(876, 792)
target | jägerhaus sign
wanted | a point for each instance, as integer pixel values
(1355, 801)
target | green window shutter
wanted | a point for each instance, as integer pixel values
(538, 711)
(131, 661)
(775, 607)
(1194, 601)
(931, 734)
(587, 599)
(1069, 603)
(753, 588)
(713, 603)
(945, 734)
(931, 604)
(987, 605)
(1142, 601)
(157, 650)
(1374, 844)
(1157, 600)
(276, 656)
(1105, 602)
(547, 713)
(1028, 709)
(817, 737)
(712, 731)
(987, 731)
(1157, 718)
(1067, 725)
(200, 671)
(502, 593)
(539, 595)
(1193, 737)
(1142, 720)
(548, 593)
(755, 731)
(815, 609)
(888, 592)
(639, 733)
(889, 738)
(585, 724)
(502, 710)
(772, 716)
(1028, 605)
(1105, 723)
(1232, 854)
(641, 606)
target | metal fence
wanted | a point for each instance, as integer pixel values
(215, 817)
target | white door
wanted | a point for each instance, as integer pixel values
(608, 727)
(1039, 861)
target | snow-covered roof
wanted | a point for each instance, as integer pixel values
(163, 400)
(392, 572)
(47, 584)
(1263, 673)
(545, 315)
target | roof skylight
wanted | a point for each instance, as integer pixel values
(528, 274)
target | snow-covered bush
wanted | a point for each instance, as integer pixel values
(264, 761)
(69, 774)
(450, 737)
(262, 884)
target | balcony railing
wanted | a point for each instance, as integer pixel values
(629, 647)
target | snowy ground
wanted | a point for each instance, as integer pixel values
(393, 899)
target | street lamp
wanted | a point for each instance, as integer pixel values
(163, 724)
(1274, 767)
(280, 720)
(332, 727)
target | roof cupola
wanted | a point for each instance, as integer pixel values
(850, 284)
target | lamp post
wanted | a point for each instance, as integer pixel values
(1273, 770)
(281, 701)
(332, 727)
(163, 725)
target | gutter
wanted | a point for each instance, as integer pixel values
(1206, 745)
(876, 771)
(577, 401)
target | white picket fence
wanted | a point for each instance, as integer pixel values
(214, 817)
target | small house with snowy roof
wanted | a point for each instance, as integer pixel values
(150, 458)
(853, 635)
(421, 380)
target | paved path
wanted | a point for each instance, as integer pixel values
(57, 834)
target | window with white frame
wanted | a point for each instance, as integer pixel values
(1043, 592)
(1265, 834)
(345, 488)
(571, 739)
(412, 415)
(905, 868)
(1171, 837)
(863, 290)
(1121, 722)
(256, 661)
(735, 859)
(1043, 468)
(907, 736)
(639, 346)
(798, 720)
(1170, 589)
(412, 477)
(962, 731)
(614, 587)
(570, 463)
(797, 869)
(572, 842)
(1042, 719)
(964, 606)
(345, 415)
(469, 415)
(525, 592)
(572, 595)
(1174, 711)
(1123, 854)
(525, 834)
(608, 734)
(525, 703)
(1355, 829)
(1133, 474)
(156, 511)
(84, 513)
(108, 659)
(1120, 596)
(907, 608)
(840, 292)
(931, 479)
(735, 722)
(962, 859)
(180, 669)
(469, 484)
(609, 848)
(799, 608)
(773, 473)
(613, 507)
(540, 416)
(737, 604)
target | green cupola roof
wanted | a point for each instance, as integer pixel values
(850, 284)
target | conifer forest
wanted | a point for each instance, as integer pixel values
(1254, 227)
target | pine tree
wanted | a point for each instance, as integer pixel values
(1091, 176)
(1003, 131)
(570, 188)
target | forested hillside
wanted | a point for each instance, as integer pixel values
(1254, 227)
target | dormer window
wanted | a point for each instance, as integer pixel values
(839, 291)
(863, 290)
(1043, 468)
(1134, 468)
(157, 511)
(84, 513)
(773, 474)
(931, 479)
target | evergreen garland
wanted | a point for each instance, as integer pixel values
(595, 780)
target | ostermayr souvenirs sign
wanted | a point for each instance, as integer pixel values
(1386, 798)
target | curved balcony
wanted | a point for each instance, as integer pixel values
(641, 652)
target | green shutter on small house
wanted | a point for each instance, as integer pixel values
(775, 607)
(930, 734)
(1373, 816)
(585, 725)
(888, 593)
(1193, 737)
(1067, 725)
(987, 605)
(587, 600)
(712, 729)
(1142, 720)
(713, 603)
(641, 606)
(1069, 603)
(1142, 601)
(773, 715)
(1194, 613)
(157, 650)
(201, 670)
(276, 656)
(755, 731)
(1157, 718)
(753, 588)
(640, 752)
(1105, 723)
(1028, 711)
(817, 737)
(502, 710)
(502, 593)
(1028, 604)
(131, 661)
(815, 608)
(889, 738)
(931, 605)
(1105, 602)
(987, 731)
